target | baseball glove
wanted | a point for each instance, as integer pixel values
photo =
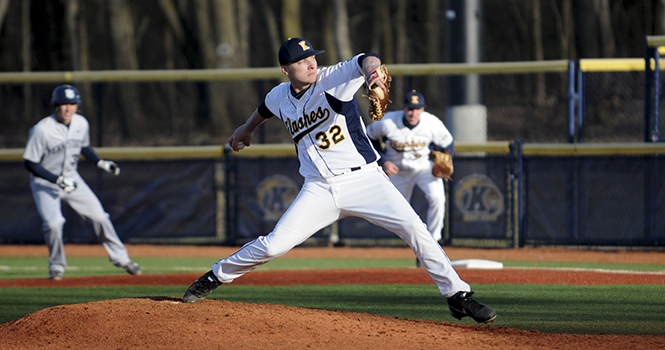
(443, 164)
(378, 97)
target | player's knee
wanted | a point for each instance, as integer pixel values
(274, 247)
(275, 250)
(53, 226)
(99, 217)
(415, 227)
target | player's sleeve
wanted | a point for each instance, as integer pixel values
(271, 104)
(90, 154)
(442, 139)
(34, 150)
(40, 171)
(450, 149)
(264, 111)
(342, 80)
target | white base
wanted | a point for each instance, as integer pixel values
(477, 264)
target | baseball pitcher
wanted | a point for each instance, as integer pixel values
(339, 164)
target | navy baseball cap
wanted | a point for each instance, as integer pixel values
(414, 99)
(295, 49)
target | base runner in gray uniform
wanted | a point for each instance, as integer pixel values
(342, 177)
(51, 156)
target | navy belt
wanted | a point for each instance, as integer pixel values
(355, 168)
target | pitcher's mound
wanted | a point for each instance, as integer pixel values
(168, 323)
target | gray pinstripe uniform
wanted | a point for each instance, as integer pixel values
(57, 147)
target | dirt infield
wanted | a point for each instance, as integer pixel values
(163, 322)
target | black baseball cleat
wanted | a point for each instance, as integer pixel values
(462, 304)
(201, 288)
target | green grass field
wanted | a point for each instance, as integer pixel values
(604, 309)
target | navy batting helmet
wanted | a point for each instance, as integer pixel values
(65, 94)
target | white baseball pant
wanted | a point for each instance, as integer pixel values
(365, 193)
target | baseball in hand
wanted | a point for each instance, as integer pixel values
(240, 145)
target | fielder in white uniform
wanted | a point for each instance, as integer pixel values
(342, 178)
(51, 156)
(408, 136)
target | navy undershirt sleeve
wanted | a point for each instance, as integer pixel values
(450, 149)
(362, 58)
(264, 111)
(40, 171)
(90, 154)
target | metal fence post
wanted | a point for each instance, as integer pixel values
(231, 196)
(580, 105)
(519, 239)
(656, 94)
(647, 90)
(571, 101)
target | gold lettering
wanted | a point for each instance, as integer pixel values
(404, 146)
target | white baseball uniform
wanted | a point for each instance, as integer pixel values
(342, 179)
(408, 148)
(57, 147)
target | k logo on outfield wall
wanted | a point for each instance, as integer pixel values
(275, 194)
(479, 198)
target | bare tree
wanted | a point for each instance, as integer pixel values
(26, 43)
(171, 14)
(538, 50)
(519, 20)
(606, 28)
(232, 53)
(401, 42)
(272, 28)
(434, 38)
(122, 35)
(174, 37)
(564, 27)
(382, 39)
(329, 35)
(659, 15)
(595, 36)
(342, 39)
(72, 8)
(244, 16)
(207, 45)
(291, 19)
(4, 6)
(76, 33)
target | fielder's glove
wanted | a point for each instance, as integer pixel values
(443, 164)
(68, 185)
(378, 97)
(109, 166)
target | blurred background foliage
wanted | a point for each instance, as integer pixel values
(88, 35)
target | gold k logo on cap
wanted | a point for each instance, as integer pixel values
(304, 46)
(414, 100)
